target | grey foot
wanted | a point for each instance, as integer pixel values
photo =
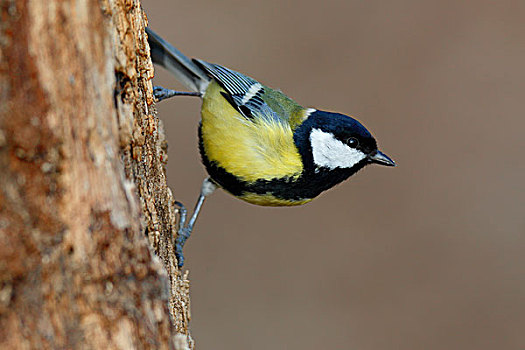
(161, 93)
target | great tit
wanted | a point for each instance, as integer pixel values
(257, 143)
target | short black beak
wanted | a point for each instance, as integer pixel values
(382, 159)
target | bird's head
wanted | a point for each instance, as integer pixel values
(329, 141)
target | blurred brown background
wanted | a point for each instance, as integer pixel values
(428, 255)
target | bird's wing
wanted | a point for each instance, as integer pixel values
(251, 98)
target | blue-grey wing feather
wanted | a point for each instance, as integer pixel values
(246, 93)
(233, 82)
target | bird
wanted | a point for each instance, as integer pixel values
(258, 144)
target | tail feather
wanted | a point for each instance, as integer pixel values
(187, 72)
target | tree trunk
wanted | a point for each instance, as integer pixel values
(84, 204)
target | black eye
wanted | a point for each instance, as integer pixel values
(352, 142)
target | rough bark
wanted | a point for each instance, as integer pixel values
(84, 202)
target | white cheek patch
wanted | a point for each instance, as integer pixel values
(329, 152)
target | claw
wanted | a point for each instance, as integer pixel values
(161, 93)
(184, 230)
(183, 212)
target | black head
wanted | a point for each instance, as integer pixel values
(336, 142)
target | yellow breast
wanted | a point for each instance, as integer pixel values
(262, 148)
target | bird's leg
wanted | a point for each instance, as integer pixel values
(161, 93)
(184, 230)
